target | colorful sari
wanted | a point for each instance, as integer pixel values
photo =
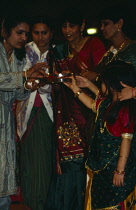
(102, 161)
(71, 118)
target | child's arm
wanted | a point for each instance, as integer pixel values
(83, 97)
(118, 178)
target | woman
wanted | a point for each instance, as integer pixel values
(78, 55)
(36, 129)
(15, 32)
(112, 146)
(114, 26)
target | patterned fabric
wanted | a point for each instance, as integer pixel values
(102, 160)
(71, 118)
(24, 108)
(71, 114)
(11, 88)
(126, 54)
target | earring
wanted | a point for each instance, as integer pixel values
(118, 29)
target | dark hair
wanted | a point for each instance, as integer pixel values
(72, 15)
(115, 13)
(42, 19)
(8, 24)
(112, 74)
(117, 71)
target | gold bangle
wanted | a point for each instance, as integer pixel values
(78, 93)
(119, 172)
(123, 157)
(127, 136)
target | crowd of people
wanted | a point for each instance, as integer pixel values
(76, 134)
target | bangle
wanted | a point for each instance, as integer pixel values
(25, 86)
(78, 93)
(127, 136)
(123, 157)
(119, 172)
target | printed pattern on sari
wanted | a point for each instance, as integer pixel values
(102, 160)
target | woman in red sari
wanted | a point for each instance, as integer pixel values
(78, 55)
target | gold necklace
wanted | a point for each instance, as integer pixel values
(115, 51)
(71, 54)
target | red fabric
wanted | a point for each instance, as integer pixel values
(120, 126)
(92, 52)
(70, 107)
(38, 101)
(18, 196)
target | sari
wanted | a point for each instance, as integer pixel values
(71, 118)
(103, 159)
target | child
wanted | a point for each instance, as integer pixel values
(111, 155)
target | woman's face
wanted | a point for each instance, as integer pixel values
(41, 35)
(71, 31)
(18, 37)
(109, 29)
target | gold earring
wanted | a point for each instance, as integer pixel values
(118, 29)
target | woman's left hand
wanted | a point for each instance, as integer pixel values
(126, 92)
(118, 180)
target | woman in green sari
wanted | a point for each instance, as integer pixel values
(111, 156)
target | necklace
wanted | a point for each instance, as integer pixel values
(71, 50)
(112, 52)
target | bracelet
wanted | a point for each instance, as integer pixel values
(127, 136)
(123, 157)
(78, 93)
(119, 172)
(25, 86)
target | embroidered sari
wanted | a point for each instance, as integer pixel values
(71, 118)
(103, 159)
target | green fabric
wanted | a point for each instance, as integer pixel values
(103, 156)
(37, 160)
(70, 190)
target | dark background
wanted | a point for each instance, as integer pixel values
(54, 8)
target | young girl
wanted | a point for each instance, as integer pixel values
(111, 155)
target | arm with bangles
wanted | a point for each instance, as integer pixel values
(127, 92)
(118, 178)
(33, 73)
(82, 82)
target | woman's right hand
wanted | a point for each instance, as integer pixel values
(37, 71)
(82, 82)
